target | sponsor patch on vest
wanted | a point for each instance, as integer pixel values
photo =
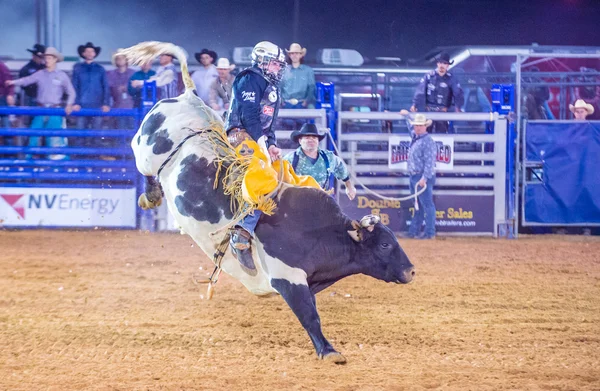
(273, 96)
(268, 110)
(249, 96)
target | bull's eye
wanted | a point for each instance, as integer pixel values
(385, 245)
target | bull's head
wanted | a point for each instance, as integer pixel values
(380, 254)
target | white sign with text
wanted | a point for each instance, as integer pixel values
(67, 207)
(399, 146)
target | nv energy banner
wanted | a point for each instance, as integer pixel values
(67, 207)
(398, 152)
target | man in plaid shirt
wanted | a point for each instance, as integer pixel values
(421, 168)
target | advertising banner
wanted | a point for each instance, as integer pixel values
(454, 213)
(67, 207)
(398, 152)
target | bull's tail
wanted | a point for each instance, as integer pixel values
(147, 51)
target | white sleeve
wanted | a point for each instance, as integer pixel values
(164, 78)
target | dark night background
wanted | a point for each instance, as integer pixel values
(405, 29)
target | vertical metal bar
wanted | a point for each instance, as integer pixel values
(523, 171)
(49, 14)
(518, 147)
(500, 145)
(39, 21)
(296, 21)
(339, 145)
(56, 25)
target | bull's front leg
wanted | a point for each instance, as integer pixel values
(302, 302)
(152, 196)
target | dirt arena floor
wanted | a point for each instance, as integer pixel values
(117, 310)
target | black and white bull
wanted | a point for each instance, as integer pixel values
(305, 246)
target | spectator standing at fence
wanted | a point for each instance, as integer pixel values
(422, 155)
(220, 90)
(438, 91)
(166, 77)
(91, 86)
(321, 164)
(118, 82)
(7, 93)
(535, 97)
(589, 93)
(205, 76)
(298, 89)
(136, 82)
(52, 85)
(581, 110)
(35, 64)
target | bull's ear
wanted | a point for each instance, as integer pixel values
(355, 233)
(369, 222)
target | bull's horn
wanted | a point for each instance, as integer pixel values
(369, 221)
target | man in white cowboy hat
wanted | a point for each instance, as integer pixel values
(421, 168)
(167, 77)
(220, 90)
(52, 85)
(204, 77)
(438, 91)
(320, 164)
(118, 82)
(581, 110)
(298, 89)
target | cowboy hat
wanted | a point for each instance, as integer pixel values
(580, 104)
(223, 63)
(81, 49)
(444, 57)
(296, 48)
(54, 52)
(117, 54)
(211, 53)
(421, 120)
(38, 50)
(306, 130)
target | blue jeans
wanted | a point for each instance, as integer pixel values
(85, 123)
(48, 122)
(249, 222)
(426, 207)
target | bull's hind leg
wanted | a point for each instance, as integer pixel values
(152, 196)
(302, 302)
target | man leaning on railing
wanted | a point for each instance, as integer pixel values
(52, 84)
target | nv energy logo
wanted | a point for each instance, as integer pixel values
(13, 201)
(20, 203)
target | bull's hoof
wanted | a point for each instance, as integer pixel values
(335, 358)
(146, 204)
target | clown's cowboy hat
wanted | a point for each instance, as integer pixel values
(307, 130)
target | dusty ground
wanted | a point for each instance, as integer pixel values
(118, 311)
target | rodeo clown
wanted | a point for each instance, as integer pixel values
(252, 112)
